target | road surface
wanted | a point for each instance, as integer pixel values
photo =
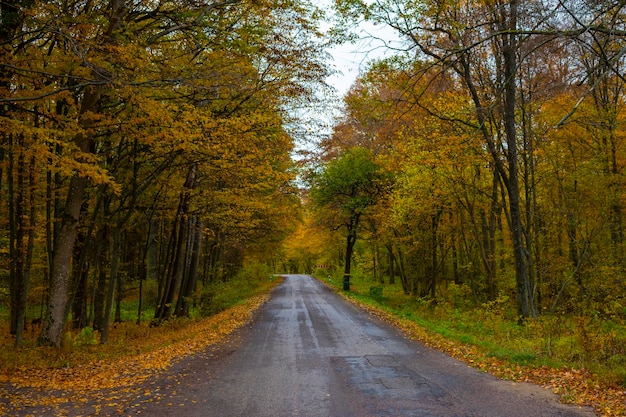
(309, 353)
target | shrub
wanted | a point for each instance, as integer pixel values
(87, 336)
(219, 296)
(376, 292)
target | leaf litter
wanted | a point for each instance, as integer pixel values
(107, 386)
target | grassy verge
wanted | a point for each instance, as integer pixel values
(579, 358)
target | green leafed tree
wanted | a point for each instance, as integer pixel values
(343, 191)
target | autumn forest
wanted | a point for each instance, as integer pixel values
(160, 154)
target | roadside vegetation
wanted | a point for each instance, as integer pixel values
(123, 172)
(579, 358)
(492, 217)
(77, 373)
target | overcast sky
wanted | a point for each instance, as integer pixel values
(351, 59)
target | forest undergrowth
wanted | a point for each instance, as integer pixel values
(578, 358)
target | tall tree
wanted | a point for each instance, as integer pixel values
(479, 41)
(345, 189)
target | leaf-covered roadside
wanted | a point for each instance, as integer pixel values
(108, 384)
(574, 386)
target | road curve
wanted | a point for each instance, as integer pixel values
(309, 353)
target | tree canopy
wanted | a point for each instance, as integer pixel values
(139, 138)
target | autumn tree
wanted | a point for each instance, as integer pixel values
(515, 63)
(137, 110)
(345, 189)
(479, 42)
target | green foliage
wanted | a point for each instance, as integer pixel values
(130, 307)
(349, 183)
(376, 292)
(87, 336)
(219, 296)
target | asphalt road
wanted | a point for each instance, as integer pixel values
(309, 353)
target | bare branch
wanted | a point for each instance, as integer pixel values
(194, 23)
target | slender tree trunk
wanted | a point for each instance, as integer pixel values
(79, 305)
(119, 294)
(178, 262)
(15, 230)
(525, 302)
(115, 258)
(398, 261)
(53, 213)
(192, 275)
(186, 266)
(102, 260)
(80, 272)
(390, 260)
(166, 254)
(143, 276)
(173, 277)
(488, 241)
(434, 256)
(22, 245)
(11, 19)
(350, 242)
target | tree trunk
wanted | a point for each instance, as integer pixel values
(12, 13)
(181, 230)
(79, 305)
(54, 323)
(115, 258)
(22, 219)
(79, 277)
(15, 230)
(119, 294)
(434, 256)
(350, 242)
(191, 275)
(55, 317)
(102, 260)
(143, 276)
(174, 276)
(525, 303)
(392, 270)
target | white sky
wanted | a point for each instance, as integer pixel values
(349, 60)
(352, 59)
